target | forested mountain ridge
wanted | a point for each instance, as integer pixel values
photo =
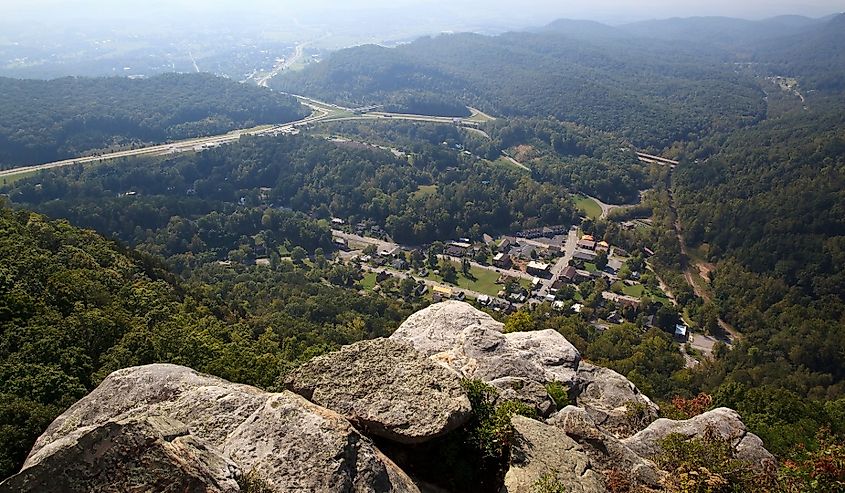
(42, 121)
(651, 94)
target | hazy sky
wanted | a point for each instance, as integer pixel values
(518, 11)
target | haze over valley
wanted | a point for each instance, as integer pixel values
(420, 246)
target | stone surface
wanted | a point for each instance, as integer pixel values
(153, 453)
(288, 442)
(436, 328)
(527, 391)
(605, 451)
(614, 403)
(387, 388)
(724, 422)
(472, 343)
(543, 452)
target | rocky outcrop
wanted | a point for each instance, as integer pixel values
(612, 401)
(436, 329)
(723, 423)
(606, 452)
(543, 454)
(387, 388)
(280, 438)
(530, 392)
(152, 453)
(169, 428)
(472, 343)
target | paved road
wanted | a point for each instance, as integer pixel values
(563, 262)
(176, 147)
(321, 112)
(606, 208)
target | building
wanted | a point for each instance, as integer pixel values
(681, 332)
(621, 300)
(399, 264)
(502, 261)
(586, 244)
(382, 276)
(336, 221)
(583, 275)
(341, 244)
(584, 255)
(569, 274)
(457, 248)
(539, 269)
(613, 266)
(420, 290)
(390, 251)
(444, 292)
(483, 300)
(602, 246)
(524, 251)
(505, 245)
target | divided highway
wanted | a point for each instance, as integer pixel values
(320, 112)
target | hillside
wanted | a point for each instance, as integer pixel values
(651, 93)
(75, 307)
(42, 121)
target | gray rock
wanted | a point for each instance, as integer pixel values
(386, 388)
(437, 328)
(472, 343)
(614, 403)
(527, 391)
(544, 453)
(288, 442)
(606, 452)
(723, 422)
(153, 453)
(294, 445)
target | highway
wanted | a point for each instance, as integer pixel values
(320, 112)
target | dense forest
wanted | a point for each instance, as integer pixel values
(576, 158)
(434, 194)
(42, 121)
(74, 307)
(651, 94)
(767, 205)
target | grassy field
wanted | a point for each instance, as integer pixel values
(425, 190)
(588, 206)
(506, 163)
(8, 180)
(484, 280)
(369, 281)
(636, 290)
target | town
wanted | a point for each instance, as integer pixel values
(562, 266)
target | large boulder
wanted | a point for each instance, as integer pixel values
(613, 402)
(545, 455)
(607, 453)
(724, 423)
(287, 442)
(472, 343)
(436, 328)
(387, 388)
(152, 453)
